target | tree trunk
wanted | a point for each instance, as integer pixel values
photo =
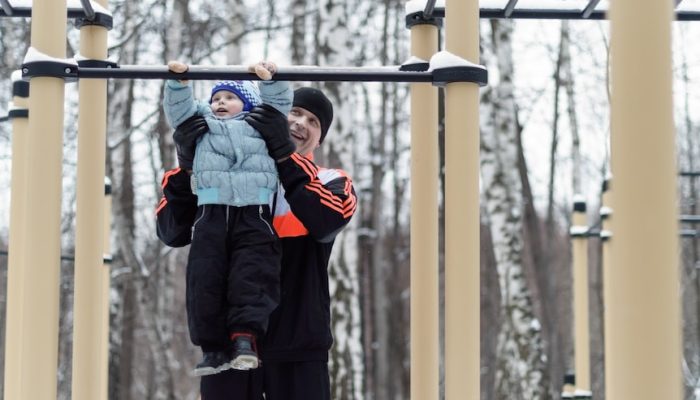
(334, 46)
(521, 361)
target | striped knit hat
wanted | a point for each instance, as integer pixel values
(247, 91)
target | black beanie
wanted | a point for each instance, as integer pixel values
(314, 101)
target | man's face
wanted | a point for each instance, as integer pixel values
(305, 130)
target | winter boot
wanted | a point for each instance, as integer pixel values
(213, 363)
(245, 352)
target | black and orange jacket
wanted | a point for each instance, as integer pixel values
(312, 205)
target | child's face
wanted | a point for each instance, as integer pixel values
(226, 104)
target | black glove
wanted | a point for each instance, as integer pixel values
(274, 129)
(185, 138)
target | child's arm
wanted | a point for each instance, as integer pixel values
(178, 100)
(278, 94)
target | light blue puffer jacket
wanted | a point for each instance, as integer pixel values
(231, 163)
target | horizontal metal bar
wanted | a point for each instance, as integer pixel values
(106, 259)
(690, 219)
(293, 73)
(439, 12)
(689, 173)
(5, 118)
(543, 13)
(26, 12)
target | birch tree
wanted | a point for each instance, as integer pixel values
(521, 359)
(334, 46)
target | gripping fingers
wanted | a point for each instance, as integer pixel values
(264, 70)
(177, 66)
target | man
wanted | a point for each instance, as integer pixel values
(312, 205)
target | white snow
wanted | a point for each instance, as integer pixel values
(414, 60)
(16, 75)
(34, 55)
(445, 59)
(579, 198)
(577, 230)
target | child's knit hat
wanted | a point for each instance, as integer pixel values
(247, 91)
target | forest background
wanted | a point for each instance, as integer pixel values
(544, 134)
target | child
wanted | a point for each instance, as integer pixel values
(234, 261)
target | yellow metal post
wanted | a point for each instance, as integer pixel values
(92, 127)
(425, 329)
(103, 363)
(644, 362)
(579, 253)
(462, 369)
(15, 266)
(42, 251)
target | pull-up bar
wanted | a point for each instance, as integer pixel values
(295, 73)
(443, 68)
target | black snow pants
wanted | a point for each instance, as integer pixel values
(233, 273)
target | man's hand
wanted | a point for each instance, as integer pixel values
(274, 129)
(185, 138)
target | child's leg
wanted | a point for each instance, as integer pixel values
(253, 280)
(207, 271)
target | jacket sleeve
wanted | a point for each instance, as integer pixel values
(278, 94)
(176, 210)
(324, 206)
(179, 103)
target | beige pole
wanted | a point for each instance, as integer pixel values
(606, 215)
(103, 364)
(43, 217)
(92, 126)
(579, 253)
(425, 324)
(645, 337)
(462, 369)
(15, 265)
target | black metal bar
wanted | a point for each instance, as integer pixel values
(690, 219)
(26, 12)
(689, 173)
(6, 7)
(294, 73)
(429, 8)
(5, 118)
(689, 233)
(508, 11)
(107, 259)
(590, 7)
(87, 8)
(574, 14)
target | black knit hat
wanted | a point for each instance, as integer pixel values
(314, 101)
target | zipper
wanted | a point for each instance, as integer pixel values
(204, 209)
(260, 213)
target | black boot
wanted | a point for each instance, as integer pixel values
(245, 352)
(213, 363)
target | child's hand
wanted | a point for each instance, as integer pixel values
(264, 70)
(178, 67)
